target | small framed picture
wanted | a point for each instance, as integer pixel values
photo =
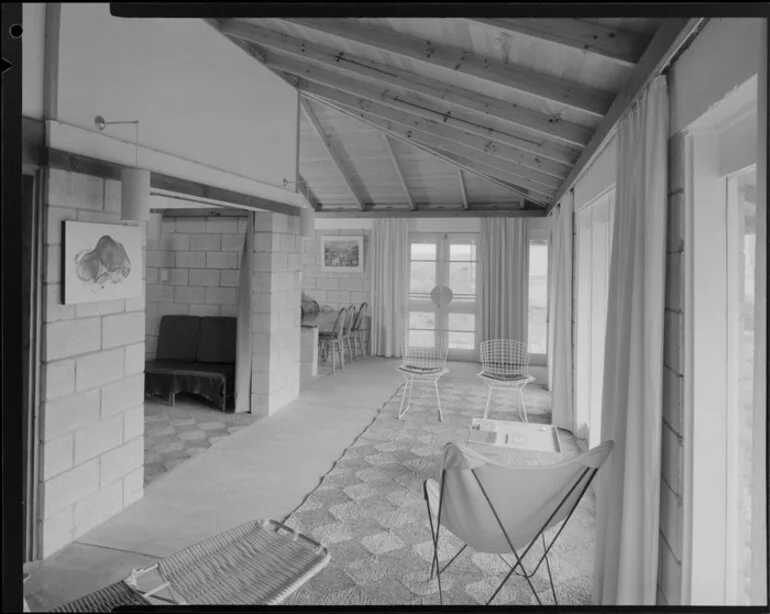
(102, 262)
(342, 253)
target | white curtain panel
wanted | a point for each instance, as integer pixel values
(628, 493)
(244, 347)
(560, 315)
(390, 285)
(503, 263)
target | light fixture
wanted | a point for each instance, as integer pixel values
(135, 182)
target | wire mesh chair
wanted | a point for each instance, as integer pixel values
(505, 364)
(358, 332)
(333, 340)
(497, 509)
(350, 325)
(422, 364)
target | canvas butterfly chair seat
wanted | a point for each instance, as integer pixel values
(499, 509)
(422, 364)
(505, 365)
(260, 562)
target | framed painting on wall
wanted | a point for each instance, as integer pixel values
(343, 254)
(102, 262)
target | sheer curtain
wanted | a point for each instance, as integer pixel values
(390, 283)
(504, 279)
(560, 315)
(628, 491)
(244, 347)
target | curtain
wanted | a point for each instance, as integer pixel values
(628, 489)
(244, 346)
(390, 283)
(560, 314)
(503, 263)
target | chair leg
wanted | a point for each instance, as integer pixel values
(438, 398)
(342, 353)
(523, 406)
(401, 410)
(548, 567)
(489, 400)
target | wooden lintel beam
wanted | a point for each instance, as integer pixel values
(514, 76)
(536, 125)
(620, 46)
(380, 212)
(401, 178)
(309, 194)
(463, 190)
(672, 34)
(321, 133)
(200, 212)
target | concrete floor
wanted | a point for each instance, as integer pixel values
(261, 471)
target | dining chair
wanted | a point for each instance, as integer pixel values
(358, 330)
(329, 341)
(505, 364)
(506, 510)
(347, 334)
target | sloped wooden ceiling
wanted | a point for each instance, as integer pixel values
(461, 116)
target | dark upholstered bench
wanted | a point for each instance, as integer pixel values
(197, 355)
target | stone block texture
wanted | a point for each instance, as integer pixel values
(93, 379)
(337, 289)
(193, 265)
(670, 547)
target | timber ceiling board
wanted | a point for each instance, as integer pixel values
(399, 106)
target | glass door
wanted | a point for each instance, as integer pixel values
(442, 291)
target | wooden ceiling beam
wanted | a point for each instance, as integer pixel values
(309, 194)
(531, 121)
(514, 76)
(381, 212)
(672, 34)
(618, 45)
(389, 147)
(331, 149)
(418, 113)
(454, 162)
(463, 191)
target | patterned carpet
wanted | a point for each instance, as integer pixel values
(173, 435)
(369, 510)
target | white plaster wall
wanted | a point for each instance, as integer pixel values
(32, 50)
(723, 56)
(197, 95)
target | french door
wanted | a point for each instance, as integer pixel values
(442, 291)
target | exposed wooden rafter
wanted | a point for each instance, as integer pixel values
(547, 154)
(621, 46)
(510, 75)
(463, 191)
(529, 120)
(397, 166)
(330, 148)
(309, 194)
(671, 35)
(440, 212)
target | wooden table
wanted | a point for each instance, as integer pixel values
(311, 326)
(323, 320)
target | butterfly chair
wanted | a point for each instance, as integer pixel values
(422, 364)
(358, 332)
(505, 364)
(330, 341)
(494, 508)
(258, 563)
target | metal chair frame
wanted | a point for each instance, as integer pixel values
(422, 364)
(587, 474)
(505, 364)
(334, 340)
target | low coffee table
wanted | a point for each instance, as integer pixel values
(512, 442)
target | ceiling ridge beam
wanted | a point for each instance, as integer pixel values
(514, 76)
(522, 117)
(428, 135)
(621, 46)
(672, 34)
(402, 179)
(503, 184)
(553, 160)
(463, 189)
(329, 146)
(434, 213)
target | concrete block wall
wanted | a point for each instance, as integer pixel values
(92, 409)
(276, 312)
(671, 516)
(337, 289)
(201, 258)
